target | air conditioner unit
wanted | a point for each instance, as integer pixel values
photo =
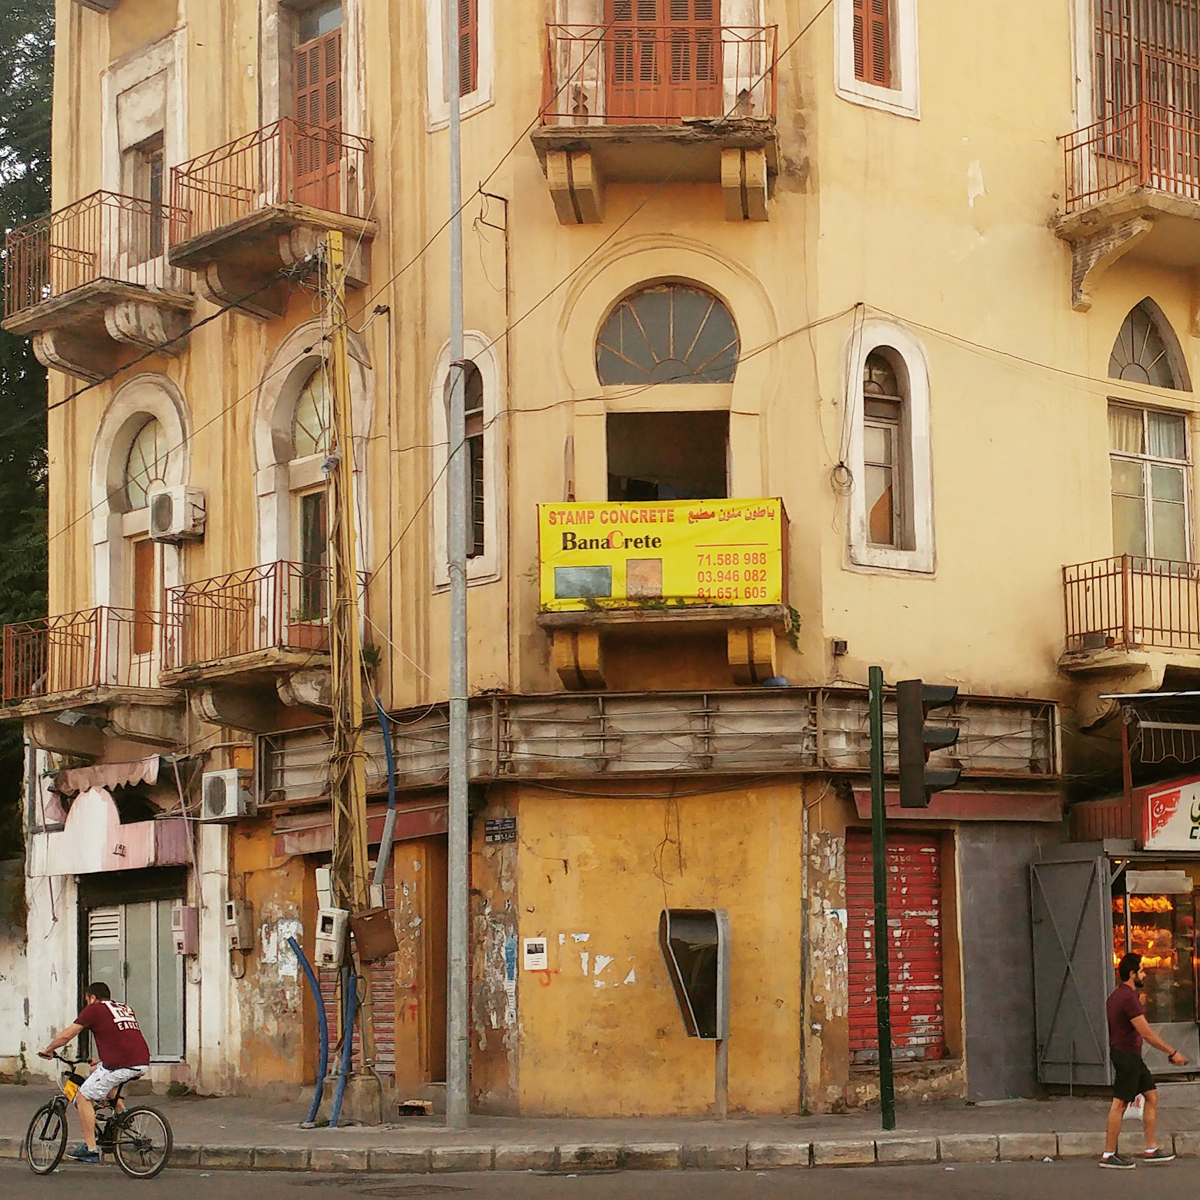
(226, 796)
(176, 514)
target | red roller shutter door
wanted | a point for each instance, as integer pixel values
(915, 926)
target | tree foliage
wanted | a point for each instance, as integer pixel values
(26, 82)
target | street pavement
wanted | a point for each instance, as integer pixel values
(1081, 1180)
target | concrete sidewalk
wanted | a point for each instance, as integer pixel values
(238, 1133)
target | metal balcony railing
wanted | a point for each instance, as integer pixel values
(113, 647)
(284, 163)
(1130, 601)
(103, 236)
(657, 74)
(278, 606)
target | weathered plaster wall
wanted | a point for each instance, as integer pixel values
(600, 1031)
(15, 1051)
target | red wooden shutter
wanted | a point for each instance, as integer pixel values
(914, 923)
(318, 81)
(468, 46)
(873, 42)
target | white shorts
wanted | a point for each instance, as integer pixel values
(102, 1081)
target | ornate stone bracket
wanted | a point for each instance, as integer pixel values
(744, 184)
(1093, 253)
(575, 187)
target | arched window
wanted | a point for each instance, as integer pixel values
(885, 467)
(1149, 449)
(310, 422)
(670, 333)
(1146, 353)
(476, 498)
(145, 465)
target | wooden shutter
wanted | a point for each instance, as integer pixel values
(317, 71)
(145, 595)
(915, 925)
(873, 41)
(468, 46)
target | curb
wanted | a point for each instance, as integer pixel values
(715, 1154)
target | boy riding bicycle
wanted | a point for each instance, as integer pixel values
(121, 1055)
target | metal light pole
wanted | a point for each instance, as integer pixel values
(883, 1001)
(458, 1050)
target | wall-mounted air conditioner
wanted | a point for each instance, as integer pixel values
(177, 514)
(226, 795)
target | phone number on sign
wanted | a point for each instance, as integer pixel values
(731, 593)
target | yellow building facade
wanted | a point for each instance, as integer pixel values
(773, 255)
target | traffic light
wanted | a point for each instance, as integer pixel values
(918, 781)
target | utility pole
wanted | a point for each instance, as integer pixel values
(458, 1048)
(883, 999)
(347, 761)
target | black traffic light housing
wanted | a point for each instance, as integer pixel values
(918, 781)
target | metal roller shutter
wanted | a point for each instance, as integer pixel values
(914, 922)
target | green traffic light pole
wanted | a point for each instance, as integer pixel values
(883, 1006)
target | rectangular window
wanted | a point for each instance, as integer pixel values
(144, 169)
(130, 948)
(873, 42)
(145, 595)
(1149, 466)
(314, 556)
(882, 450)
(468, 46)
(668, 456)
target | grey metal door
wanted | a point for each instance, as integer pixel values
(1072, 968)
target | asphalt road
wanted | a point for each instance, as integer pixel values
(993, 1181)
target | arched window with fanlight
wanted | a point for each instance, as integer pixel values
(476, 476)
(1149, 447)
(654, 340)
(145, 471)
(311, 444)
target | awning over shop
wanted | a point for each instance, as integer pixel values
(107, 775)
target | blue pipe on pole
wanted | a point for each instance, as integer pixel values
(322, 1030)
(349, 1008)
(389, 823)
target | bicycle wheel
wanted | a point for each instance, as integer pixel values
(46, 1139)
(142, 1142)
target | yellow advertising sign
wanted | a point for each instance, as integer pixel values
(661, 552)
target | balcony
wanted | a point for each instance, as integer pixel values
(262, 204)
(84, 676)
(1132, 187)
(253, 640)
(658, 104)
(1133, 617)
(620, 569)
(91, 283)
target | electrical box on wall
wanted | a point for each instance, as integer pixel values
(239, 925)
(185, 929)
(177, 514)
(226, 795)
(332, 924)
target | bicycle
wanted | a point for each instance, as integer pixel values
(140, 1138)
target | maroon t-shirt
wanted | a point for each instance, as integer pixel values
(1123, 1005)
(119, 1041)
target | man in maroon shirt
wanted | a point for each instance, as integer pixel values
(121, 1055)
(1127, 1029)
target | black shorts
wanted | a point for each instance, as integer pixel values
(1132, 1077)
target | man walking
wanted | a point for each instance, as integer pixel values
(1127, 1029)
(122, 1053)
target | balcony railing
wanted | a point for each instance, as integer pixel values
(1147, 145)
(1129, 602)
(285, 163)
(279, 606)
(657, 74)
(99, 647)
(103, 236)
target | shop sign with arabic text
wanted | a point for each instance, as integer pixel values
(1172, 817)
(662, 553)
